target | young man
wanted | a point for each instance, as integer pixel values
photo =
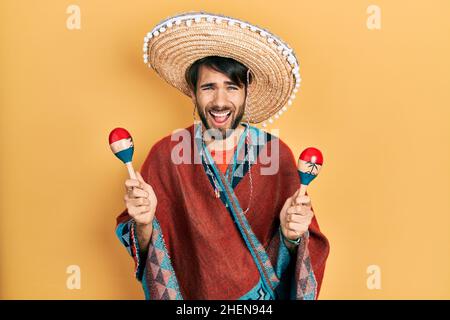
(216, 212)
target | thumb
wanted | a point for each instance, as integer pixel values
(139, 177)
(144, 185)
(295, 197)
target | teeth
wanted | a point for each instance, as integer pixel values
(220, 114)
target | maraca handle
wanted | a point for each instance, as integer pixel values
(302, 191)
(131, 171)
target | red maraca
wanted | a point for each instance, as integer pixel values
(121, 144)
(309, 164)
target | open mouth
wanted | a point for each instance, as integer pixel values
(220, 117)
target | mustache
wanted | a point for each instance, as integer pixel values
(215, 107)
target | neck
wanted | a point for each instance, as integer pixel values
(223, 144)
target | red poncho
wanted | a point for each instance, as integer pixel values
(199, 250)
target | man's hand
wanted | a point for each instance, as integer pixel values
(140, 200)
(296, 216)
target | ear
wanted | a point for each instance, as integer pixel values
(192, 94)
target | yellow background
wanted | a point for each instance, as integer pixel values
(376, 102)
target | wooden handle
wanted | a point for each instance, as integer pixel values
(302, 191)
(131, 171)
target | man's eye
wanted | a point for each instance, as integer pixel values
(207, 88)
(233, 88)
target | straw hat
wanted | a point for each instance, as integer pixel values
(177, 42)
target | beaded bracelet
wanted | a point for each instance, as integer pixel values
(294, 242)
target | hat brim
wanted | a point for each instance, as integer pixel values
(176, 43)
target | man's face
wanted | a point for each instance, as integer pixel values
(219, 101)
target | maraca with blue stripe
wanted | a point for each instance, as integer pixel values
(309, 164)
(122, 146)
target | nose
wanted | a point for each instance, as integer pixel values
(220, 98)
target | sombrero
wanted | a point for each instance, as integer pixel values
(177, 42)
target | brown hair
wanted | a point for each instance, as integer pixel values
(236, 71)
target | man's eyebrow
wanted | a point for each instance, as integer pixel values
(231, 83)
(211, 84)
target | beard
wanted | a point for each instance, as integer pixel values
(222, 132)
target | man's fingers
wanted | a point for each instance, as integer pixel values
(139, 202)
(294, 226)
(303, 200)
(291, 210)
(134, 211)
(138, 193)
(298, 209)
(136, 201)
(130, 183)
(144, 185)
(298, 217)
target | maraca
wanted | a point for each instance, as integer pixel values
(309, 164)
(121, 145)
